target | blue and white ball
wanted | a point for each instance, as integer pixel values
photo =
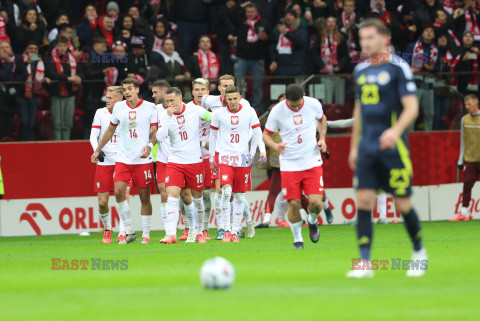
(217, 273)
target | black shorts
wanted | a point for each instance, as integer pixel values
(388, 170)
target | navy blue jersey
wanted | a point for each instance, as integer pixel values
(379, 88)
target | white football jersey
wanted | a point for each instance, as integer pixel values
(212, 103)
(298, 129)
(234, 134)
(204, 132)
(164, 146)
(133, 129)
(102, 121)
(182, 130)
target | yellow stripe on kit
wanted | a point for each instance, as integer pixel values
(2, 188)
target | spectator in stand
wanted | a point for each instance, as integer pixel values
(254, 36)
(425, 13)
(306, 19)
(331, 56)
(144, 66)
(468, 62)
(424, 53)
(61, 19)
(113, 11)
(466, 19)
(348, 22)
(379, 11)
(51, 9)
(105, 29)
(127, 29)
(27, 99)
(88, 25)
(60, 65)
(94, 87)
(177, 72)
(12, 68)
(120, 60)
(192, 21)
(66, 30)
(289, 51)
(21, 7)
(142, 27)
(31, 29)
(321, 9)
(270, 10)
(162, 31)
(204, 63)
(230, 15)
(407, 28)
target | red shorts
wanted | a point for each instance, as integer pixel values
(161, 170)
(238, 177)
(310, 181)
(104, 178)
(208, 179)
(141, 175)
(185, 175)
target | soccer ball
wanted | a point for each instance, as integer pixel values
(217, 273)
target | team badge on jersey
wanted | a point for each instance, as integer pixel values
(383, 78)
(132, 115)
(167, 179)
(181, 120)
(297, 119)
(224, 177)
(234, 120)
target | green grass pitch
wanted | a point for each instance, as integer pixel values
(273, 281)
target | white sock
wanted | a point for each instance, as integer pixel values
(281, 205)
(217, 202)
(181, 206)
(190, 212)
(164, 211)
(326, 205)
(465, 211)
(146, 224)
(225, 213)
(198, 213)
(312, 217)
(124, 212)
(121, 227)
(266, 218)
(303, 214)
(246, 210)
(238, 206)
(297, 231)
(207, 202)
(172, 214)
(231, 211)
(106, 220)
(382, 205)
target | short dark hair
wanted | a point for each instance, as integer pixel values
(62, 13)
(100, 40)
(377, 24)
(251, 5)
(63, 27)
(62, 39)
(294, 92)
(232, 89)
(128, 81)
(174, 90)
(161, 83)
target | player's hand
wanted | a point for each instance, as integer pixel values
(145, 152)
(94, 157)
(280, 147)
(352, 158)
(460, 166)
(322, 145)
(389, 138)
(170, 110)
(263, 158)
(214, 167)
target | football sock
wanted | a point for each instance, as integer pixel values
(172, 216)
(106, 220)
(303, 214)
(246, 210)
(326, 205)
(225, 212)
(238, 206)
(121, 227)
(217, 202)
(382, 205)
(281, 205)
(190, 212)
(297, 231)
(208, 208)
(364, 233)
(465, 211)
(181, 207)
(124, 212)
(146, 225)
(266, 218)
(198, 213)
(164, 212)
(412, 223)
(312, 217)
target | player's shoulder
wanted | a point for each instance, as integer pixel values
(245, 103)
(310, 101)
(149, 104)
(278, 108)
(361, 66)
(400, 66)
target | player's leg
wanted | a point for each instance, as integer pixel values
(186, 222)
(292, 190)
(124, 211)
(412, 224)
(198, 215)
(189, 207)
(326, 208)
(194, 180)
(226, 175)
(469, 178)
(146, 213)
(160, 173)
(281, 204)
(274, 189)
(217, 203)
(207, 201)
(382, 206)
(104, 213)
(238, 205)
(250, 225)
(171, 221)
(312, 183)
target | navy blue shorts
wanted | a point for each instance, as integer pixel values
(388, 170)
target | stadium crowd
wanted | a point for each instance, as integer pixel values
(58, 56)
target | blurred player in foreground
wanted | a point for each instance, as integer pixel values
(105, 169)
(385, 106)
(297, 119)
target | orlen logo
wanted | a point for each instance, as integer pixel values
(349, 209)
(30, 218)
(473, 206)
(77, 218)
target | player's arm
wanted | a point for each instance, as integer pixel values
(212, 144)
(340, 123)
(255, 142)
(389, 137)
(163, 125)
(95, 132)
(322, 130)
(152, 141)
(270, 128)
(105, 139)
(206, 115)
(462, 145)
(352, 158)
